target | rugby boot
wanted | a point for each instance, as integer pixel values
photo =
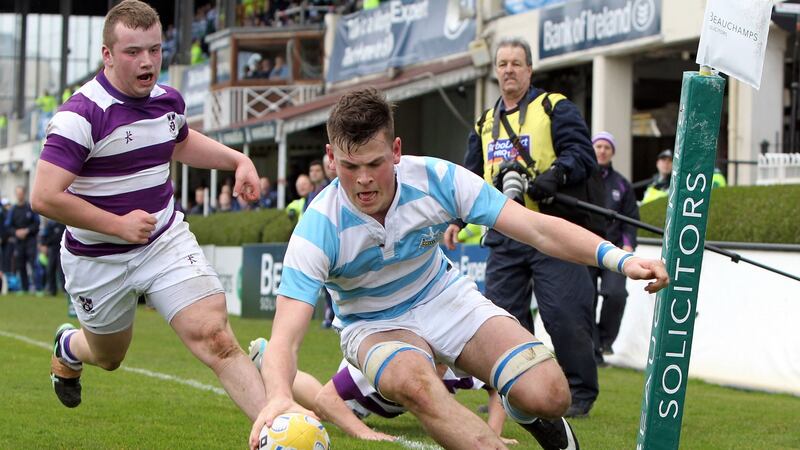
(66, 377)
(553, 434)
(257, 349)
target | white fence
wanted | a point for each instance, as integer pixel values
(239, 104)
(778, 168)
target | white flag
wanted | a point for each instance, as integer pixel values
(734, 37)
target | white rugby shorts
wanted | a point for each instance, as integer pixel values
(105, 292)
(446, 322)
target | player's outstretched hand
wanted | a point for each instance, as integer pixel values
(275, 407)
(637, 268)
(373, 435)
(246, 183)
(451, 236)
(136, 227)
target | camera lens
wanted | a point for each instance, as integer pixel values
(513, 184)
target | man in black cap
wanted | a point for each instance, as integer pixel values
(660, 185)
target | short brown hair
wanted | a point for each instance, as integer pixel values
(134, 14)
(357, 116)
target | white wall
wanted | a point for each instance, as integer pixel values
(745, 332)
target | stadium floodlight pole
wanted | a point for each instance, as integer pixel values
(611, 214)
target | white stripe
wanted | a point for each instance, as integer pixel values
(378, 278)
(466, 189)
(371, 304)
(161, 376)
(105, 186)
(72, 126)
(94, 91)
(136, 135)
(90, 237)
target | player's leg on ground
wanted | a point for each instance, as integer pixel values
(541, 391)
(410, 379)
(539, 396)
(204, 329)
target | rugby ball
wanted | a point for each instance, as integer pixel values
(294, 431)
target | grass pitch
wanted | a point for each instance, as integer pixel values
(163, 398)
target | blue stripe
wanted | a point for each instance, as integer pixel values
(487, 206)
(347, 219)
(369, 260)
(442, 189)
(503, 364)
(396, 310)
(602, 249)
(409, 193)
(622, 261)
(391, 357)
(390, 288)
(320, 231)
(299, 286)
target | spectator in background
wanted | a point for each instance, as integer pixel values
(268, 198)
(718, 179)
(304, 187)
(264, 68)
(3, 129)
(620, 198)
(22, 225)
(50, 242)
(46, 104)
(224, 203)
(200, 201)
(316, 174)
(561, 151)
(659, 187)
(197, 54)
(281, 70)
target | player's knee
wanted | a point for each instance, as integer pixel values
(408, 363)
(416, 393)
(109, 362)
(220, 342)
(546, 395)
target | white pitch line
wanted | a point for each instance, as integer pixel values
(407, 443)
(148, 373)
(415, 445)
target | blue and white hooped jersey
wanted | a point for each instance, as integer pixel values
(376, 272)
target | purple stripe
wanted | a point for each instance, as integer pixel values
(182, 133)
(128, 162)
(151, 200)
(375, 407)
(348, 390)
(345, 385)
(64, 153)
(460, 383)
(94, 250)
(66, 348)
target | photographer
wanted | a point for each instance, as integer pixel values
(557, 153)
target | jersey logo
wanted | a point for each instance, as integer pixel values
(430, 238)
(173, 127)
(504, 150)
(86, 303)
(128, 136)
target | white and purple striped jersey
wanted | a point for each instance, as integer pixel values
(119, 148)
(354, 388)
(376, 272)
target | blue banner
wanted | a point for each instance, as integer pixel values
(399, 33)
(195, 88)
(521, 6)
(593, 23)
(470, 260)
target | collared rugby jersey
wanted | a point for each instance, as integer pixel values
(119, 148)
(378, 272)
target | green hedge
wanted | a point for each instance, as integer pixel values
(769, 214)
(246, 227)
(738, 214)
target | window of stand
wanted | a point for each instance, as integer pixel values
(269, 60)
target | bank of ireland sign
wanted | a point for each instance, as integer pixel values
(586, 24)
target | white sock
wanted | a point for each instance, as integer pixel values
(66, 354)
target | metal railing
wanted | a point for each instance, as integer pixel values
(778, 168)
(232, 105)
